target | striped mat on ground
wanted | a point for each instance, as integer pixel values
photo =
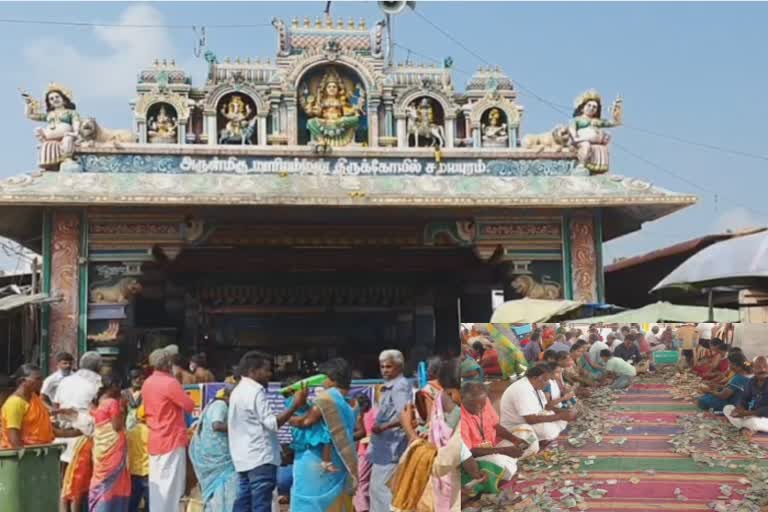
(640, 472)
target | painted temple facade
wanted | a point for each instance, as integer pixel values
(315, 199)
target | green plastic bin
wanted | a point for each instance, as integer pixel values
(30, 478)
(666, 357)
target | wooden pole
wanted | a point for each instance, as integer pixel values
(711, 306)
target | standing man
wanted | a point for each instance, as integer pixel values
(165, 404)
(253, 427)
(64, 363)
(532, 350)
(388, 441)
(77, 392)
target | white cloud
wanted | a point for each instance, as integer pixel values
(108, 70)
(735, 219)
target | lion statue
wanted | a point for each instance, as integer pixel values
(556, 141)
(91, 134)
(527, 286)
(118, 293)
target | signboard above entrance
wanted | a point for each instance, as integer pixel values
(180, 164)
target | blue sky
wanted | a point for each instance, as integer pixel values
(692, 70)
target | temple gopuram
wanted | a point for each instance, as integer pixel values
(315, 203)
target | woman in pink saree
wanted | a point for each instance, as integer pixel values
(110, 489)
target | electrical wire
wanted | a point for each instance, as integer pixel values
(127, 25)
(564, 110)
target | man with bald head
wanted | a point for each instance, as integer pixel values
(164, 405)
(751, 413)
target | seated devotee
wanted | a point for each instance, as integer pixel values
(560, 344)
(482, 433)
(532, 350)
(559, 394)
(628, 350)
(470, 470)
(619, 369)
(490, 360)
(575, 373)
(716, 365)
(523, 405)
(470, 370)
(590, 361)
(751, 413)
(717, 397)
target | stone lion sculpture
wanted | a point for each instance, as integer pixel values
(118, 293)
(527, 286)
(91, 134)
(556, 141)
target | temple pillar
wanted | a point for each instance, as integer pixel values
(584, 258)
(373, 124)
(210, 128)
(292, 120)
(402, 136)
(389, 119)
(261, 130)
(64, 315)
(450, 131)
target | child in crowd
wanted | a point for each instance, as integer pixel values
(138, 462)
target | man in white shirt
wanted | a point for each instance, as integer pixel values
(64, 364)
(619, 368)
(77, 392)
(524, 402)
(253, 427)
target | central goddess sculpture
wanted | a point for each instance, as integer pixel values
(333, 118)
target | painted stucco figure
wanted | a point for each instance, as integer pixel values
(163, 127)
(57, 138)
(495, 133)
(422, 125)
(241, 122)
(333, 118)
(587, 132)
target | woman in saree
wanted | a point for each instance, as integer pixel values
(318, 487)
(715, 398)
(110, 489)
(717, 364)
(24, 418)
(427, 478)
(209, 453)
(425, 397)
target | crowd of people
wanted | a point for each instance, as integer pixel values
(139, 448)
(520, 384)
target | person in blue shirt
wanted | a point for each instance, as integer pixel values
(751, 413)
(715, 398)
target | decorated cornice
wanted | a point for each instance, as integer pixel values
(131, 189)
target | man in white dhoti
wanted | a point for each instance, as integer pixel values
(165, 403)
(388, 441)
(523, 404)
(751, 413)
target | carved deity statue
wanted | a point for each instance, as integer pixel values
(586, 131)
(421, 124)
(495, 133)
(57, 138)
(162, 127)
(333, 117)
(241, 122)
